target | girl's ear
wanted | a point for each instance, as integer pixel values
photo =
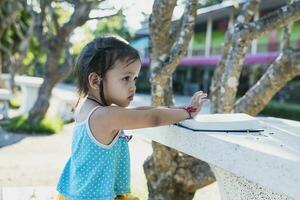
(94, 80)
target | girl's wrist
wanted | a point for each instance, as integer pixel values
(188, 109)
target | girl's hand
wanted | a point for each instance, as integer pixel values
(198, 99)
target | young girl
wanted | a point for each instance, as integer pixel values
(98, 168)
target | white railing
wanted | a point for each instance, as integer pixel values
(258, 159)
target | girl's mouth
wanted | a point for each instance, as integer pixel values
(131, 97)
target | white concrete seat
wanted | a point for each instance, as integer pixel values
(61, 104)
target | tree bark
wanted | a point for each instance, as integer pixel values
(284, 69)
(171, 174)
(248, 11)
(54, 73)
(243, 34)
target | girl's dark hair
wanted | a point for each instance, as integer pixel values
(99, 56)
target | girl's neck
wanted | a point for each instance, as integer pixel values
(91, 98)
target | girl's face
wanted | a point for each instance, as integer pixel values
(119, 83)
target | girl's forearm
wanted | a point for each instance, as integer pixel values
(167, 116)
(152, 107)
(144, 107)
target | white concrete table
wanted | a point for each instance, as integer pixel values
(248, 165)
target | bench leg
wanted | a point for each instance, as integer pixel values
(4, 109)
(233, 187)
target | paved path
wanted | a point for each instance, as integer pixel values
(9, 138)
(29, 169)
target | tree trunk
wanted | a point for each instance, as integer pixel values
(248, 11)
(42, 104)
(54, 73)
(171, 175)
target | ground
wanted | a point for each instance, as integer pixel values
(38, 160)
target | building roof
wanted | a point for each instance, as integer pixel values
(222, 11)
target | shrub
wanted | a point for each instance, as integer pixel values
(282, 110)
(15, 103)
(21, 124)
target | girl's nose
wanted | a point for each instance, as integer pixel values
(132, 88)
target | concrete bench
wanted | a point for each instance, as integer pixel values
(61, 102)
(29, 88)
(259, 158)
(5, 96)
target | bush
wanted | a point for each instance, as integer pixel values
(15, 103)
(282, 110)
(21, 124)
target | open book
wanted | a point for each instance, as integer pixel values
(235, 122)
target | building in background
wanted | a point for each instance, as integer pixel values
(206, 46)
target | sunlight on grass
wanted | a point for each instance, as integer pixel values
(21, 124)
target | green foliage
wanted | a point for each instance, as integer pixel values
(78, 44)
(113, 25)
(21, 124)
(282, 110)
(63, 11)
(143, 83)
(15, 103)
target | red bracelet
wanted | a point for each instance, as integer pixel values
(190, 109)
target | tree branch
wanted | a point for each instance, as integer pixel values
(284, 69)
(78, 18)
(160, 24)
(248, 11)
(55, 19)
(169, 62)
(243, 35)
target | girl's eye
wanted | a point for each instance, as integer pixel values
(126, 78)
(135, 79)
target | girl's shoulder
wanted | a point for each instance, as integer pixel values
(98, 125)
(84, 113)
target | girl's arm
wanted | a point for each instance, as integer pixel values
(143, 107)
(151, 107)
(113, 118)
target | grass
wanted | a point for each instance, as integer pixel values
(21, 124)
(282, 110)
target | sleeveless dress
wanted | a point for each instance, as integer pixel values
(95, 171)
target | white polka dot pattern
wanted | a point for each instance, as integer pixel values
(93, 171)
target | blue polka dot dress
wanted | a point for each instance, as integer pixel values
(95, 171)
